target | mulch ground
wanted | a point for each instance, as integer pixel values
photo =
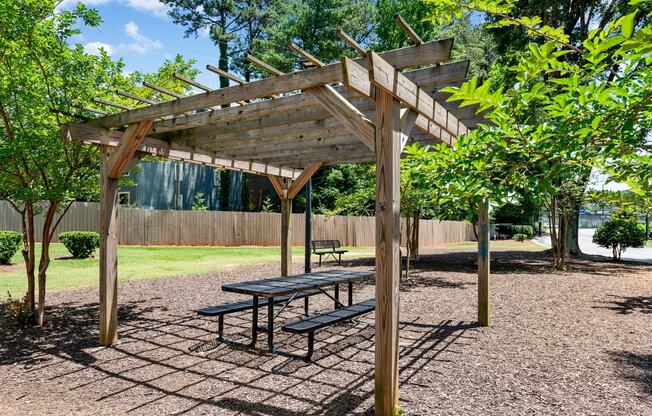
(571, 343)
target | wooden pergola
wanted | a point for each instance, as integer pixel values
(286, 127)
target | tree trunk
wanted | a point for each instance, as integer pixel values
(647, 225)
(572, 234)
(29, 255)
(44, 261)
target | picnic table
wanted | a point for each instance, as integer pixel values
(269, 291)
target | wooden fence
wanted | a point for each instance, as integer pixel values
(223, 228)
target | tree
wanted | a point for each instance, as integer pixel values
(575, 18)
(313, 24)
(472, 42)
(620, 233)
(43, 81)
(560, 118)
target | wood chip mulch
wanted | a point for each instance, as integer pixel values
(561, 343)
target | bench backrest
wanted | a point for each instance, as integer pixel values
(325, 244)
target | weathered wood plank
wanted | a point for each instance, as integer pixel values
(483, 264)
(384, 75)
(347, 114)
(108, 252)
(175, 151)
(408, 119)
(427, 53)
(279, 186)
(388, 141)
(129, 143)
(305, 176)
(407, 29)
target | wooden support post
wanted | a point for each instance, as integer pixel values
(286, 237)
(483, 264)
(308, 234)
(108, 252)
(388, 142)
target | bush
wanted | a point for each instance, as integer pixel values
(511, 230)
(619, 234)
(81, 244)
(18, 309)
(520, 237)
(9, 245)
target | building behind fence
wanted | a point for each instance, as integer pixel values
(224, 228)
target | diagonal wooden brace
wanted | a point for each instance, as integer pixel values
(129, 143)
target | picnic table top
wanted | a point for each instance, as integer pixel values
(279, 286)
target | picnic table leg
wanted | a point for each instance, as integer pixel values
(337, 296)
(270, 324)
(350, 293)
(305, 305)
(254, 323)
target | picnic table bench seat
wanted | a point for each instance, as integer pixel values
(312, 323)
(328, 248)
(228, 308)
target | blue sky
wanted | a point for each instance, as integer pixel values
(143, 35)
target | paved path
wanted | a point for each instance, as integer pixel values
(587, 246)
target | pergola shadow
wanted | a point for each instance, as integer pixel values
(173, 362)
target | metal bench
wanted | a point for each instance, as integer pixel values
(228, 308)
(328, 248)
(313, 323)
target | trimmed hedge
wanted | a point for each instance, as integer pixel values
(520, 237)
(9, 244)
(511, 230)
(81, 244)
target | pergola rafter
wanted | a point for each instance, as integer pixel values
(286, 127)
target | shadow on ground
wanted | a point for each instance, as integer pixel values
(174, 363)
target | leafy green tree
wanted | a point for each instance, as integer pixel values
(43, 81)
(313, 24)
(472, 42)
(620, 233)
(561, 117)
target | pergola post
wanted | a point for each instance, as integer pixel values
(108, 252)
(483, 264)
(286, 238)
(388, 150)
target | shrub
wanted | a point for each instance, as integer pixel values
(511, 230)
(81, 244)
(9, 245)
(619, 234)
(520, 237)
(18, 309)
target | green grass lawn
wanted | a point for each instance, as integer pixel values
(504, 245)
(136, 262)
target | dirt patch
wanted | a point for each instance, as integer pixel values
(576, 342)
(10, 267)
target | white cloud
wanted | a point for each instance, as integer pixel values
(142, 44)
(93, 48)
(69, 4)
(153, 7)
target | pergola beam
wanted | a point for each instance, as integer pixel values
(416, 39)
(175, 151)
(293, 107)
(425, 54)
(345, 112)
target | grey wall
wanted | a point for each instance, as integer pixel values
(156, 185)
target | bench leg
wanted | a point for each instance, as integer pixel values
(339, 261)
(254, 329)
(311, 345)
(320, 260)
(306, 302)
